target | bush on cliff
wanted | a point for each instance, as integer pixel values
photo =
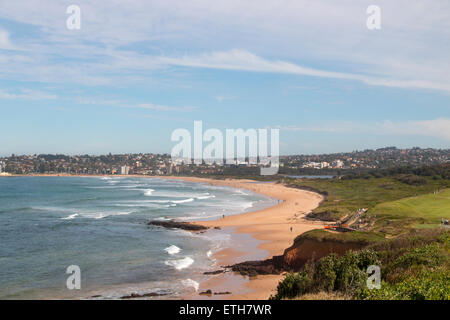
(346, 274)
(293, 285)
(426, 286)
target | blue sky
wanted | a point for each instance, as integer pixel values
(134, 72)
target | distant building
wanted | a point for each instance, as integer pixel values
(338, 163)
(124, 170)
(2, 166)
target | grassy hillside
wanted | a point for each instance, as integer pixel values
(427, 208)
(345, 197)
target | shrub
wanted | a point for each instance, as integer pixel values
(427, 286)
(325, 273)
(293, 285)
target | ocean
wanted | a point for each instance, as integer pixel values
(100, 225)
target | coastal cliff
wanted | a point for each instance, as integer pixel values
(309, 246)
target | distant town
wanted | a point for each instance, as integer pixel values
(162, 164)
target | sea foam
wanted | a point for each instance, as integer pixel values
(180, 263)
(172, 249)
(191, 283)
(148, 192)
(72, 216)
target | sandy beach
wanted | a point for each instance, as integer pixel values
(272, 226)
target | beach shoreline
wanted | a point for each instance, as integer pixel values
(274, 227)
(271, 226)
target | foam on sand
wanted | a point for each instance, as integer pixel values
(180, 263)
(190, 283)
(172, 249)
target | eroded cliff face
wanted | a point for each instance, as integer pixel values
(297, 255)
(303, 250)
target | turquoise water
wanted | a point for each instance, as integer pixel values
(99, 224)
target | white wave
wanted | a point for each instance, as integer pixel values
(148, 192)
(172, 249)
(182, 201)
(191, 283)
(209, 254)
(101, 215)
(247, 205)
(72, 216)
(105, 178)
(164, 201)
(206, 197)
(240, 192)
(180, 263)
(163, 218)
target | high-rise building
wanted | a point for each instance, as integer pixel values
(124, 170)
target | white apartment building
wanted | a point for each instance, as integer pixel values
(124, 170)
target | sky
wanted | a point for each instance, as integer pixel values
(137, 70)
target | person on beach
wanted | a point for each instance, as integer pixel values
(291, 229)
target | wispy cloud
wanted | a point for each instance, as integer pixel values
(27, 94)
(124, 104)
(437, 128)
(5, 42)
(222, 98)
(165, 108)
(410, 51)
(243, 60)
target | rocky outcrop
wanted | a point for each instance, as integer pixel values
(172, 224)
(214, 272)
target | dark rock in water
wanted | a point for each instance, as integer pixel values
(96, 296)
(207, 292)
(214, 272)
(219, 293)
(218, 228)
(137, 295)
(172, 224)
(253, 268)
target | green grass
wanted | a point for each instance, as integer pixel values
(429, 208)
(347, 196)
(357, 236)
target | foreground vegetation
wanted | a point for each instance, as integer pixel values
(413, 266)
